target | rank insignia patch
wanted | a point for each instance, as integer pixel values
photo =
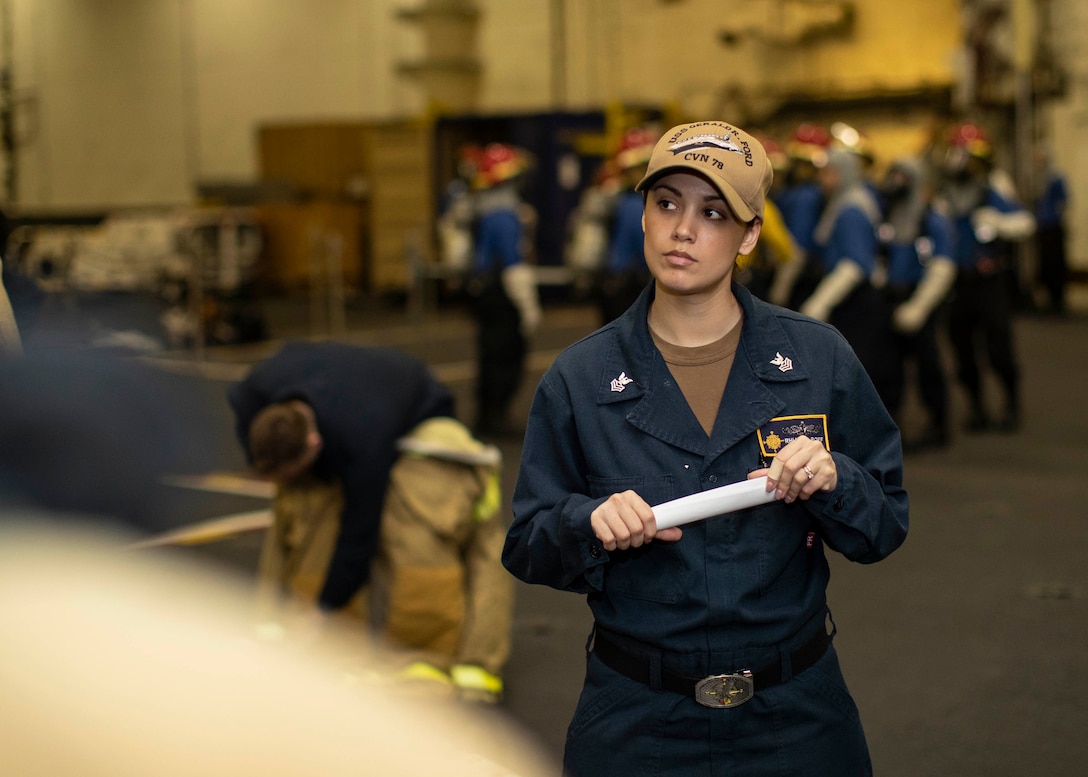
(777, 433)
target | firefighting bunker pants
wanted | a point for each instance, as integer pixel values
(438, 590)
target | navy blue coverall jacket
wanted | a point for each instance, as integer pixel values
(363, 400)
(738, 590)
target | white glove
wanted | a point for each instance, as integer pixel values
(455, 235)
(833, 289)
(456, 247)
(588, 245)
(519, 283)
(909, 317)
(1003, 184)
(990, 224)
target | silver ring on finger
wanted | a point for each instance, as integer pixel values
(809, 472)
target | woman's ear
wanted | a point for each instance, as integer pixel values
(751, 236)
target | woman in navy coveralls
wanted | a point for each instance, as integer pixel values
(741, 594)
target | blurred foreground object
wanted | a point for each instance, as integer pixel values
(10, 342)
(89, 434)
(119, 664)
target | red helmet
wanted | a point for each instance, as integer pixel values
(972, 139)
(809, 144)
(499, 162)
(635, 149)
(775, 153)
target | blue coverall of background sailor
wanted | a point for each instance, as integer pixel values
(625, 253)
(982, 308)
(1050, 216)
(800, 205)
(906, 269)
(501, 344)
(626, 273)
(739, 590)
(847, 232)
(498, 238)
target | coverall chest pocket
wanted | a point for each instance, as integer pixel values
(654, 571)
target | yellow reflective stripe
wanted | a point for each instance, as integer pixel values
(490, 500)
(467, 676)
(421, 670)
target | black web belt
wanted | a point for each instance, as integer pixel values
(725, 690)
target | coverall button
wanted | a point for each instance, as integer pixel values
(713, 478)
(839, 503)
(595, 551)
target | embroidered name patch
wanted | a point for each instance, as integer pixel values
(777, 433)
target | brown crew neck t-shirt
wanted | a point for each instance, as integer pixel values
(702, 372)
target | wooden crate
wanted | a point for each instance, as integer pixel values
(393, 161)
(399, 161)
(320, 160)
(290, 229)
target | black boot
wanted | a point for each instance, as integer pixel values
(977, 421)
(933, 437)
(1010, 421)
(936, 436)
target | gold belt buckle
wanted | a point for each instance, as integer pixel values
(725, 690)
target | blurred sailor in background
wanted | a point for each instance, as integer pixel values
(846, 296)
(625, 273)
(916, 242)
(988, 221)
(772, 269)
(801, 201)
(502, 285)
(1050, 209)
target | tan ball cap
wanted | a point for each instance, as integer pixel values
(731, 159)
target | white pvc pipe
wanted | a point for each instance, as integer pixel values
(716, 501)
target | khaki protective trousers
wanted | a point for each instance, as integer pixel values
(438, 591)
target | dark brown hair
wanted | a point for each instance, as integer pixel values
(277, 437)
